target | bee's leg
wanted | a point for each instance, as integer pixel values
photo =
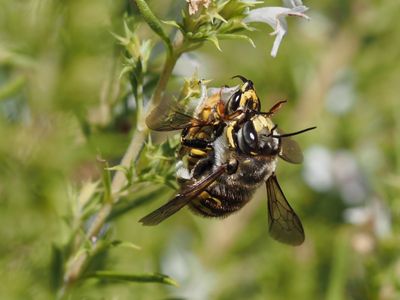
(219, 129)
(231, 134)
(203, 166)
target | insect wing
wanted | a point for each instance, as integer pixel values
(167, 117)
(181, 199)
(290, 150)
(284, 225)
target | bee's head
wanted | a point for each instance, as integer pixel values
(259, 136)
(256, 137)
(244, 98)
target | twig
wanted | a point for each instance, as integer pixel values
(78, 264)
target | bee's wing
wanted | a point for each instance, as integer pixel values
(181, 199)
(284, 225)
(290, 150)
(168, 116)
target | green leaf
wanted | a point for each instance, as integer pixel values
(145, 278)
(236, 37)
(123, 207)
(57, 263)
(87, 192)
(107, 183)
(130, 245)
(172, 23)
(153, 22)
(215, 41)
(118, 168)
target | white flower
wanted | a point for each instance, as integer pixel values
(275, 17)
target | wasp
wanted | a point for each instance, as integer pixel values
(203, 120)
(229, 149)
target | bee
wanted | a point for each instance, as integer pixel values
(229, 156)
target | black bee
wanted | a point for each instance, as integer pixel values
(218, 177)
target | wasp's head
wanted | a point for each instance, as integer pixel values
(245, 98)
(257, 136)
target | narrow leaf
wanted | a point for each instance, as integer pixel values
(215, 41)
(117, 243)
(145, 278)
(123, 207)
(57, 263)
(118, 168)
(172, 23)
(236, 37)
(86, 193)
(153, 22)
(107, 183)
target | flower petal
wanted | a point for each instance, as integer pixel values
(276, 18)
(278, 39)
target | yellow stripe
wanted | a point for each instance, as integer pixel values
(197, 152)
(229, 135)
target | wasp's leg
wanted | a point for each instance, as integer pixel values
(201, 143)
(196, 143)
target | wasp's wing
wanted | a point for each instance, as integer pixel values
(181, 199)
(167, 117)
(290, 150)
(284, 225)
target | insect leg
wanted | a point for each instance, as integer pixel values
(182, 199)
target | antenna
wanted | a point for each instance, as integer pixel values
(294, 133)
(242, 78)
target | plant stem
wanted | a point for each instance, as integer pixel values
(139, 136)
(76, 267)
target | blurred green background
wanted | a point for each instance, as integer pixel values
(62, 104)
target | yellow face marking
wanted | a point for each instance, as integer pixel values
(260, 122)
(229, 135)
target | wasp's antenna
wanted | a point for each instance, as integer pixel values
(294, 133)
(242, 78)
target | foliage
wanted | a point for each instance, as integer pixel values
(78, 167)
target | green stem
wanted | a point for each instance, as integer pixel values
(153, 22)
(139, 136)
(75, 269)
(139, 103)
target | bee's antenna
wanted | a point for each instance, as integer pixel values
(242, 78)
(294, 133)
(272, 130)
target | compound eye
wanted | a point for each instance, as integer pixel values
(250, 135)
(234, 102)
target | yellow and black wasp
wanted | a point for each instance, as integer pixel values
(230, 148)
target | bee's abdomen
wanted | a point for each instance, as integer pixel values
(218, 202)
